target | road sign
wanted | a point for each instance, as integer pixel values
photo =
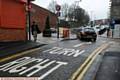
(58, 7)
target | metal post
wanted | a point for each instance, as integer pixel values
(29, 20)
(58, 27)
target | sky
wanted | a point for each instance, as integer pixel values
(97, 9)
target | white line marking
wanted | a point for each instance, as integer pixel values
(53, 69)
(88, 43)
(79, 53)
(78, 45)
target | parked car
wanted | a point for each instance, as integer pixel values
(87, 33)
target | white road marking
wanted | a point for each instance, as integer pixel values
(78, 45)
(64, 51)
(79, 53)
(53, 69)
(88, 43)
(21, 66)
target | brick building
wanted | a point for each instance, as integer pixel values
(102, 22)
(13, 19)
(40, 14)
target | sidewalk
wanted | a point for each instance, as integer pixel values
(53, 38)
(114, 36)
(10, 48)
(47, 40)
(110, 65)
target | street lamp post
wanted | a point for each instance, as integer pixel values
(58, 8)
(29, 20)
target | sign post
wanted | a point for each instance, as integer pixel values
(28, 7)
(29, 18)
(58, 8)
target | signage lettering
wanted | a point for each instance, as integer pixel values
(65, 51)
(21, 66)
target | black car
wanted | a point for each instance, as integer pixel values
(87, 33)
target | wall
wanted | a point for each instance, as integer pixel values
(40, 14)
(12, 21)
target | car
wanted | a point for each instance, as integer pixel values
(87, 33)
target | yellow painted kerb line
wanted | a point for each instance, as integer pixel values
(78, 75)
(18, 54)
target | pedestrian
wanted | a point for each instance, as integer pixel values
(34, 30)
(108, 31)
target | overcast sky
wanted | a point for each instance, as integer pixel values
(97, 9)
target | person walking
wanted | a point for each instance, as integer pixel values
(108, 32)
(34, 29)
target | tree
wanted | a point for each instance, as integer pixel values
(70, 12)
(52, 5)
(64, 10)
(78, 16)
(47, 30)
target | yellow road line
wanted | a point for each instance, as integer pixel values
(18, 54)
(78, 75)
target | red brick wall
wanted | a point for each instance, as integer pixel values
(12, 21)
(40, 14)
(12, 35)
(0, 10)
(13, 14)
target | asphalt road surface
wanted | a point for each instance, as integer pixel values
(58, 61)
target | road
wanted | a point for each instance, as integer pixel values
(58, 61)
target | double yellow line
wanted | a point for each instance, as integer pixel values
(79, 74)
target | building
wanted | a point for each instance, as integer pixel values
(102, 22)
(13, 19)
(40, 14)
(115, 10)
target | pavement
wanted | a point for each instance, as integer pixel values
(10, 48)
(109, 68)
(53, 39)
